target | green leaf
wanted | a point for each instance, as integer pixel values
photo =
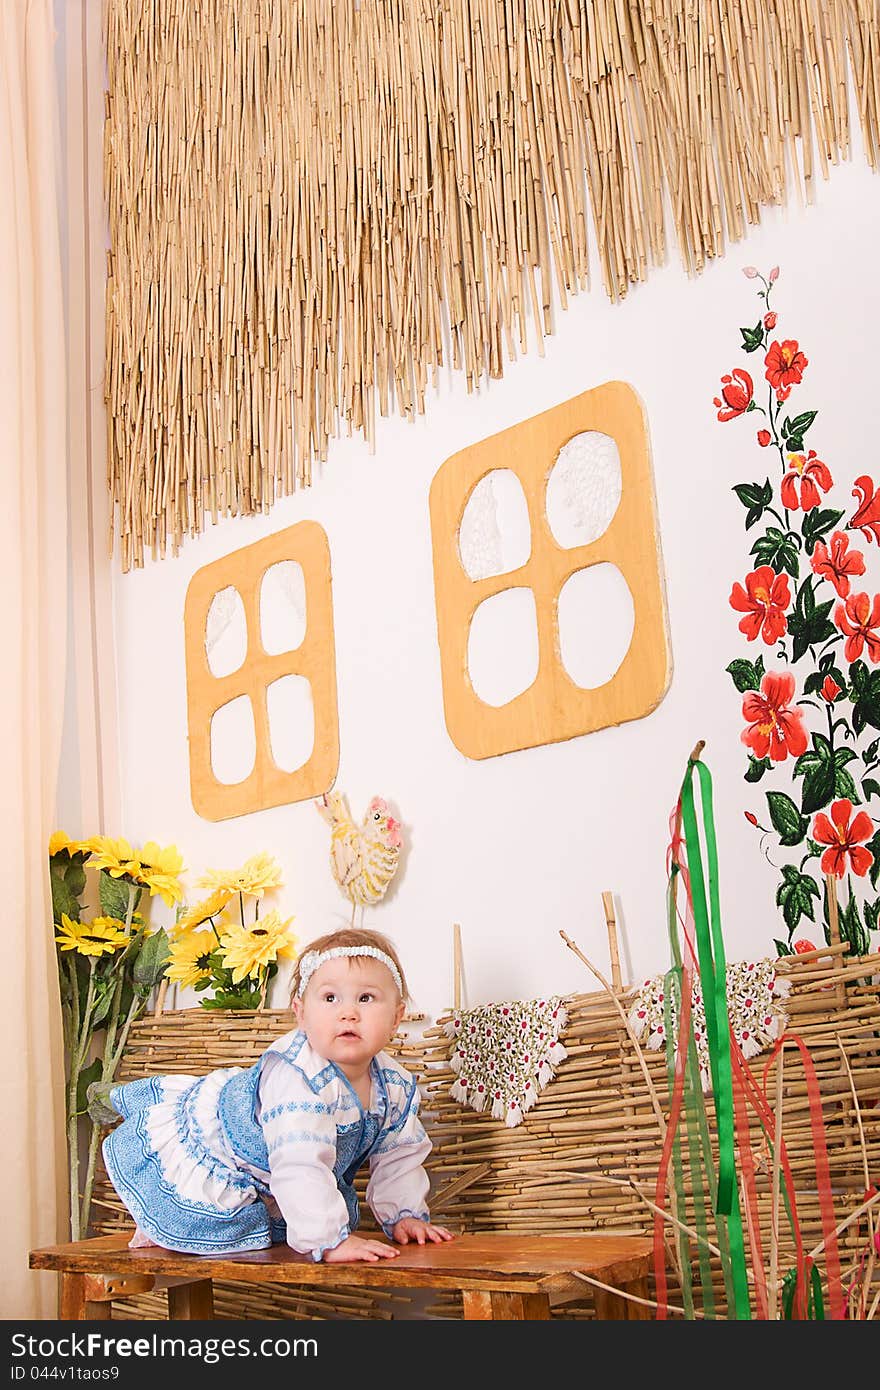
(63, 900)
(874, 846)
(151, 960)
(103, 1002)
(86, 1077)
(229, 999)
(794, 895)
(782, 949)
(819, 771)
(75, 878)
(851, 928)
(818, 523)
(870, 787)
(777, 549)
(755, 498)
(808, 622)
(752, 338)
(756, 769)
(789, 824)
(801, 423)
(872, 913)
(113, 894)
(745, 676)
(866, 690)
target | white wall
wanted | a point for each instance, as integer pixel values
(517, 847)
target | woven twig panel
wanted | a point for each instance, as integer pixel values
(311, 205)
(592, 1131)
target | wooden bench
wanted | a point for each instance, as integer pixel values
(499, 1275)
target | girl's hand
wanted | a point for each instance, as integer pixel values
(411, 1228)
(355, 1248)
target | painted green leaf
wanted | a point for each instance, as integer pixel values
(872, 913)
(744, 674)
(756, 768)
(874, 846)
(817, 523)
(866, 701)
(795, 896)
(819, 771)
(777, 549)
(752, 338)
(870, 787)
(789, 824)
(782, 949)
(808, 622)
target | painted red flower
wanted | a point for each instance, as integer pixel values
(858, 619)
(844, 839)
(776, 728)
(770, 321)
(830, 689)
(802, 944)
(866, 518)
(836, 562)
(736, 390)
(751, 817)
(785, 365)
(764, 601)
(809, 473)
(763, 438)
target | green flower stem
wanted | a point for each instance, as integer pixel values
(135, 1008)
(107, 1065)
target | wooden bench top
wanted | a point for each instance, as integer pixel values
(487, 1263)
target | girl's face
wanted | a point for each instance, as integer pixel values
(350, 1010)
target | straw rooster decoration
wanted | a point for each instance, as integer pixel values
(363, 858)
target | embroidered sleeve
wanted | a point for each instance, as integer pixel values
(398, 1184)
(300, 1134)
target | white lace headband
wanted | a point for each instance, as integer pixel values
(313, 960)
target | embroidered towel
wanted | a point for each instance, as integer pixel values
(505, 1054)
(754, 1007)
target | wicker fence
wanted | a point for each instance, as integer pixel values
(586, 1157)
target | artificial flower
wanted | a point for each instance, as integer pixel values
(785, 365)
(159, 870)
(866, 517)
(845, 840)
(102, 936)
(59, 842)
(253, 878)
(775, 728)
(764, 600)
(858, 619)
(836, 562)
(809, 474)
(115, 856)
(247, 950)
(203, 911)
(736, 394)
(190, 957)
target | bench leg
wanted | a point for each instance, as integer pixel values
(75, 1306)
(506, 1307)
(611, 1307)
(191, 1301)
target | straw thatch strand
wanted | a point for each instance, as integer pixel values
(313, 207)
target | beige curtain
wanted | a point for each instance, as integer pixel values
(33, 584)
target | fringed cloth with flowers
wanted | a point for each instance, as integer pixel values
(505, 1054)
(754, 1008)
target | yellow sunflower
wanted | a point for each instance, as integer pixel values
(59, 841)
(116, 856)
(102, 936)
(190, 957)
(254, 877)
(159, 870)
(248, 949)
(208, 907)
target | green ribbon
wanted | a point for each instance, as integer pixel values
(713, 983)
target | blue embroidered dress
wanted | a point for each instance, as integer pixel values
(242, 1158)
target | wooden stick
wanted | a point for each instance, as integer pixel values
(456, 967)
(611, 924)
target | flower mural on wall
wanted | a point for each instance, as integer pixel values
(810, 687)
